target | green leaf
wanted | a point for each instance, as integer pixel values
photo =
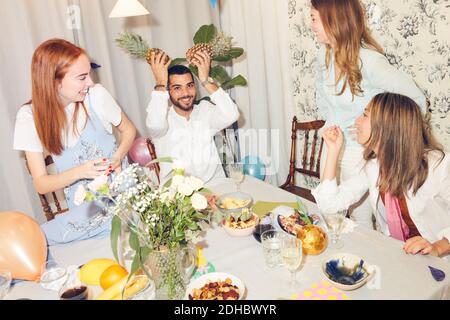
(178, 61)
(232, 54)
(134, 241)
(136, 264)
(205, 34)
(116, 225)
(162, 159)
(194, 70)
(236, 52)
(236, 81)
(219, 74)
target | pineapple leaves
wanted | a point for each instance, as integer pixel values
(219, 74)
(133, 44)
(177, 61)
(205, 34)
(232, 54)
(236, 81)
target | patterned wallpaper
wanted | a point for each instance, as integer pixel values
(415, 36)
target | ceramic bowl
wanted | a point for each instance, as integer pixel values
(212, 277)
(241, 232)
(347, 271)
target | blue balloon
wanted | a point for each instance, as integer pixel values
(253, 166)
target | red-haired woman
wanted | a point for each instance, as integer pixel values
(70, 118)
(351, 69)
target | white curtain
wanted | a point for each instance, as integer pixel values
(25, 24)
(260, 27)
(266, 104)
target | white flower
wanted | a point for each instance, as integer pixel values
(185, 189)
(79, 196)
(97, 183)
(177, 181)
(195, 183)
(199, 201)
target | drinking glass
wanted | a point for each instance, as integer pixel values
(292, 254)
(335, 222)
(236, 172)
(5, 282)
(271, 243)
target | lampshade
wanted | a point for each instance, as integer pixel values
(128, 8)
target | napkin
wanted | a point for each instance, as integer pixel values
(261, 208)
(320, 291)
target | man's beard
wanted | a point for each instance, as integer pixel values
(180, 106)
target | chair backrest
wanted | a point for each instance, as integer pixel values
(311, 167)
(53, 203)
(152, 151)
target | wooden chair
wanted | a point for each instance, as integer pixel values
(312, 168)
(53, 203)
(152, 151)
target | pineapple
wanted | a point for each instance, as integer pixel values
(205, 47)
(137, 47)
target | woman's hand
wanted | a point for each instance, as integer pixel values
(333, 138)
(116, 165)
(94, 168)
(421, 245)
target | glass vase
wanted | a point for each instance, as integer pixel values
(171, 270)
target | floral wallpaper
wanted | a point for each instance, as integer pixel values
(414, 34)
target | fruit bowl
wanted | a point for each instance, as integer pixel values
(234, 230)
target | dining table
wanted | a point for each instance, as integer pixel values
(397, 275)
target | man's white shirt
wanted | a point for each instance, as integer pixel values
(191, 141)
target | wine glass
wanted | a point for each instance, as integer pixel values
(292, 254)
(236, 172)
(335, 222)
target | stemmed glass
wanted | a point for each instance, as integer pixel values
(236, 172)
(292, 254)
(335, 222)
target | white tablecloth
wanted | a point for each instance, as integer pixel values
(401, 276)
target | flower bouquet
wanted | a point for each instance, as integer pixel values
(164, 222)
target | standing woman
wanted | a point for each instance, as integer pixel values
(350, 70)
(70, 118)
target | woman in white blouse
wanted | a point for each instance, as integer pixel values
(406, 172)
(71, 119)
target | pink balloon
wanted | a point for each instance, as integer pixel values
(139, 151)
(23, 247)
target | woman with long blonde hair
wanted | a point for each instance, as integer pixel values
(350, 70)
(406, 172)
(71, 119)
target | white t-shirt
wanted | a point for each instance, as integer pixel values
(104, 105)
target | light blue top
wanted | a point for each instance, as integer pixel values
(378, 75)
(89, 220)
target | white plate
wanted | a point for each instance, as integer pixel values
(285, 211)
(215, 276)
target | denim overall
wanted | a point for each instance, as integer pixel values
(88, 220)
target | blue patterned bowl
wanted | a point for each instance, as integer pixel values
(347, 271)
